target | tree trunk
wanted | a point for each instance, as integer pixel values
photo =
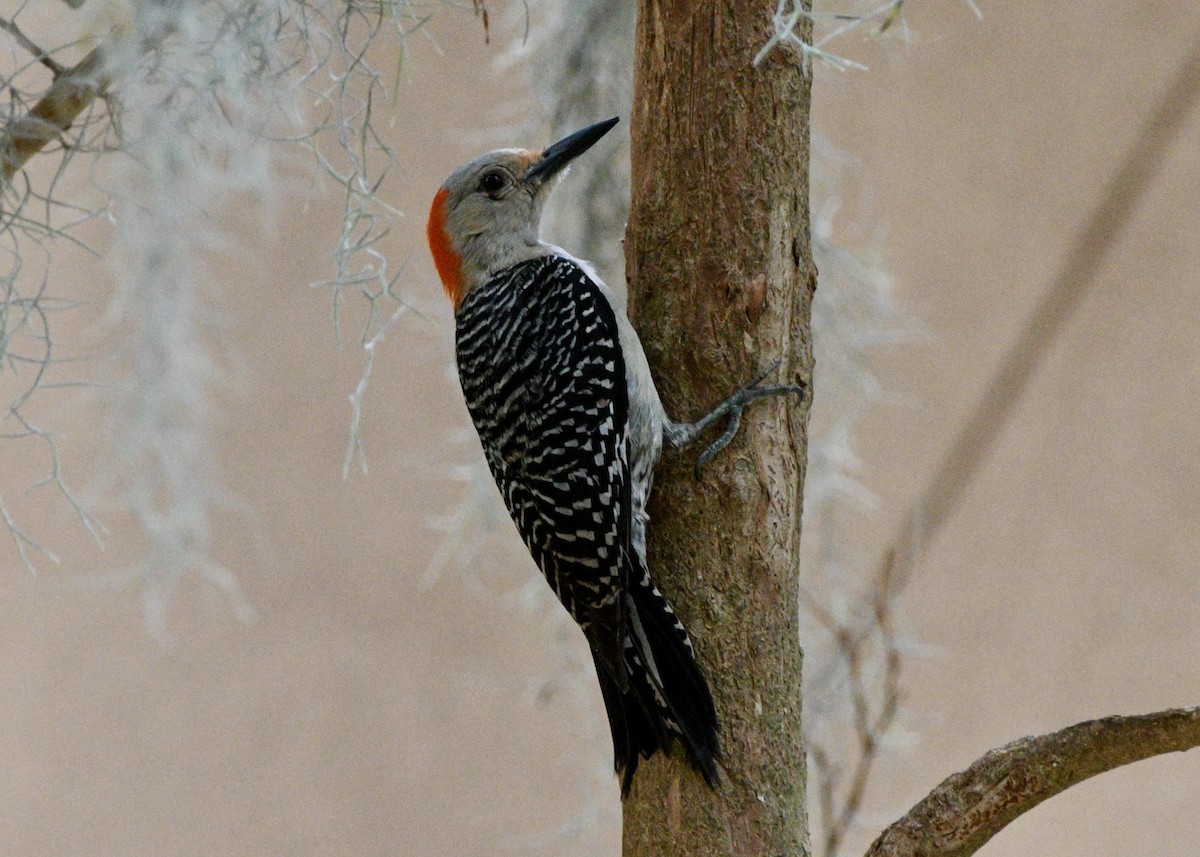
(720, 282)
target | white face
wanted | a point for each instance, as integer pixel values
(493, 210)
(485, 218)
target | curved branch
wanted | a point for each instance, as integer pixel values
(70, 94)
(969, 808)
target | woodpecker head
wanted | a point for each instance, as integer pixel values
(485, 217)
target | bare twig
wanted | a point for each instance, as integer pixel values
(871, 722)
(481, 11)
(1029, 351)
(28, 44)
(70, 94)
(790, 13)
(967, 809)
(852, 621)
(875, 701)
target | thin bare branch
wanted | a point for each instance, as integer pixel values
(1029, 351)
(28, 44)
(70, 94)
(852, 621)
(969, 808)
(790, 13)
(863, 640)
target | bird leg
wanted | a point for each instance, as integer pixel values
(680, 435)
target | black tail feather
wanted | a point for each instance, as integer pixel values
(635, 735)
(684, 689)
(666, 698)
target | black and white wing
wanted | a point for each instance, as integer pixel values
(544, 379)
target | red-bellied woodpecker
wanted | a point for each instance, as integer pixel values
(560, 392)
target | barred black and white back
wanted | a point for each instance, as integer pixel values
(541, 359)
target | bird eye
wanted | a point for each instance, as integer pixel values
(492, 182)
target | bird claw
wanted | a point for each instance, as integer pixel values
(758, 379)
(710, 452)
(734, 406)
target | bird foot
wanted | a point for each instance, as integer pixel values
(730, 410)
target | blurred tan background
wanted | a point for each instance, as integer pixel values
(375, 708)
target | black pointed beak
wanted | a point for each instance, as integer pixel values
(567, 149)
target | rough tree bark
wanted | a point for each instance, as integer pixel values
(720, 280)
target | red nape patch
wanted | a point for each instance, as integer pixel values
(445, 258)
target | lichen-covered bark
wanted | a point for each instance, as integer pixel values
(720, 281)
